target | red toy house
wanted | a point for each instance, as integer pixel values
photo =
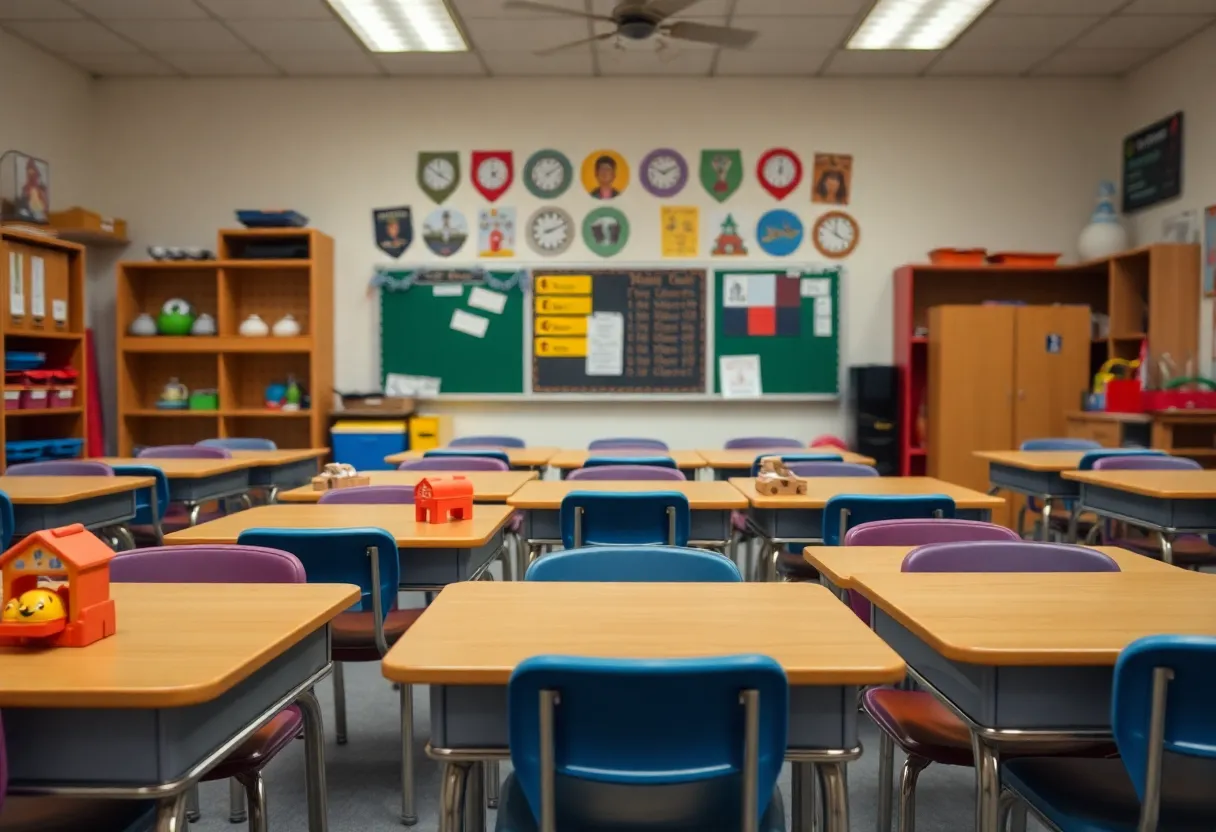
(439, 500)
(74, 614)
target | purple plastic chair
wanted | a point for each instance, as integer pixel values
(229, 564)
(761, 442)
(60, 468)
(370, 495)
(626, 472)
(915, 720)
(184, 452)
(487, 442)
(454, 463)
(626, 442)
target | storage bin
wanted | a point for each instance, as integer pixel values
(19, 360)
(24, 450)
(63, 397)
(12, 396)
(64, 448)
(427, 432)
(35, 398)
(366, 444)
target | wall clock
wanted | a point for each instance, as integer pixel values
(493, 172)
(550, 231)
(547, 174)
(438, 174)
(664, 172)
(836, 234)
(779, 171)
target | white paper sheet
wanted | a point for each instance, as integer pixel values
(734, 291)
(16, 285)
(469, 324)
(816, 287)
(421, 387)
(37, 288)
(447, 290)
(740, 376)
(487, 299)
(823, 317)
(605, 344)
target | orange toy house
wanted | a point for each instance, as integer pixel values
(438, 500)
(69, 554)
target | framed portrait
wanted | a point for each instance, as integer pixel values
(25, 188)
(833, 179)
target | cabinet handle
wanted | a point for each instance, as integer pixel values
(1021, 395)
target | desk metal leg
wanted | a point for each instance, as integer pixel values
(492, 784)
(1017, 817)
(886, 767)
(452, 795)
(314, 761)
(409, 814)
(236, 801)
(835, 796)
(1073, 517)
(987, 785)
(475, 799)
(171, 813)
(1045, 526)
(1167, 546)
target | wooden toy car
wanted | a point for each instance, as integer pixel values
(775, 477)
(440, 500)
(339, 475)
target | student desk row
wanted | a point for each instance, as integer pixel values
(1037, 474)
(50, 502)
(193, 670)
(488, 486)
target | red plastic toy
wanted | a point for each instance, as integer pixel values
(440, 500)
(74, 614)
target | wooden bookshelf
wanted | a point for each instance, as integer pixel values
(229, 289)
(63, 340)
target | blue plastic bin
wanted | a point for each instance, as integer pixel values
(65, 448)
(366, 444)
(25, 450)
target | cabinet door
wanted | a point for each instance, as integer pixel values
(1051, 369)
(970, 390)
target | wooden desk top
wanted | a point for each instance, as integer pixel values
(820, 489)
(743, 459)
(488, 486)
(177, 644)
(184, 469)
(803, 626)
(519, 457)
(575, 457)
(548, 494)
(841, 564)
(1048, 618)
(397, 520)
(58, 490)
(284, 456)
(1175, 485)
(1035, 460)
(1104, 416)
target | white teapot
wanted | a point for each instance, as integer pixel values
(286, 327)
(254, 327)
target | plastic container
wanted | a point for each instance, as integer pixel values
(1123, 395)
(1030, 259)
(366, 444)
(12, 396)
(64, 448)
(427, 432)
(35, 398)
(63, 397)
(16, 360)
(958, 256)
(25, 450)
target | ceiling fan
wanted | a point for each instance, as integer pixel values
(638, 20)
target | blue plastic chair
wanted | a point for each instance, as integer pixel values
(627, 442)
(1161, 705)
(634, 564)
(844, 511)
(240, 443)
(790, 458)
(644, 744)
(604, 518)
(487, 442)
(1059, 443)
(484, 453)
(8, 521)
(654, 461)
(143, 499)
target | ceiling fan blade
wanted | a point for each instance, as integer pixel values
(545, 8)
(666, 8)
(543, 53)
(716, 35)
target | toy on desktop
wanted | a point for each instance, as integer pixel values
(775, 477)
(339, 475)
(440, 500)
(175, 318)
(76, 613)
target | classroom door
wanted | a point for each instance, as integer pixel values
(1051, 369)
(970, 390)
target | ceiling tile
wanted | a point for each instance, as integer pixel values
(269, 9)
(71, 36)
(702, 8)
(733, 62)
(1056, 7)
(524, 35)
(799, 7)
(1171, 7)
(353, 62)
(37, 10)
(1094, 61)
(430, 63)
(1140, 32)
(493, 8)
(573, 62)
(1024, 32)
(179, 35)
(221, 63)
(791, 33)
(119, 64)
(987, 62)
(142, 9)
(669, 61)
(296, 35)
(876, 62)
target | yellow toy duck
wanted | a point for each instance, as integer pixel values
(34, 606)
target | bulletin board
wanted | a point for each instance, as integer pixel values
(790, 319)
(434, 327)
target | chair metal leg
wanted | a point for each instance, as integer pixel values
(340, 703)
(314, 762)
(409, 815)
(886, 769)
(192, 518)
(1167, 547)
(913, 766)
(1005, 809)
(1017, 817)
(236, 801)
(802, 797)
(492, 778)
(192, 811)
(475, 800)
(171, 813)
(452, 793)
(508, 557)
(987, 784)
(255, 790)
(835, 796)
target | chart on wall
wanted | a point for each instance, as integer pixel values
(619, 330)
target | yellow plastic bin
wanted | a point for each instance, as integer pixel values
(427, 432)
(366, 444)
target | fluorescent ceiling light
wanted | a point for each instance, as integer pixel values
(402, 25)
(916, 24)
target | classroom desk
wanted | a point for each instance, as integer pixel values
(193, 670)
(193, 482)
(826, 652)
(281, 469)
(566, 461)
(432, 554)
(530, 458)
(1036, 474)
(50, 502)
(727, 463)
(1168, 502)
(488, 486)
(1028, 657)
(710, 503)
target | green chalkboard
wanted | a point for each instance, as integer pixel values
(791, 319)
(417, 336)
